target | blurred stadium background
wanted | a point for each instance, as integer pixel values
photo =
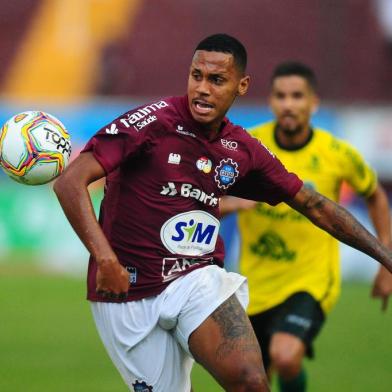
(87, 61)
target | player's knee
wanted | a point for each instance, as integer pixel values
(286, 364)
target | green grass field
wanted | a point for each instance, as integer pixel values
(48, 342)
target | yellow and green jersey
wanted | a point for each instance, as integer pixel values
(282, 252)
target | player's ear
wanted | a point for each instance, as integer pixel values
(243, 85)
(270, 103)
(315, 104)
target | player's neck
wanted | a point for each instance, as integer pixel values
(293, 140)
(213, 130)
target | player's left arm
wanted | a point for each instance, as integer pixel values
(379, 212)
(338, 222)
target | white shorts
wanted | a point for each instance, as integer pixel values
(147, 340)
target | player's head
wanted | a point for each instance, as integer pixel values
(224, 43)
(216, 77)
(293, 96)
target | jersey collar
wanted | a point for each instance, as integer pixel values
(293, 148)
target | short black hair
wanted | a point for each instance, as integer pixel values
(226, 44)
(295, 68)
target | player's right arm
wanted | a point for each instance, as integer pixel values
(72, 193)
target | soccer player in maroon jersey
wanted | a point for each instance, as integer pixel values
(159, 295)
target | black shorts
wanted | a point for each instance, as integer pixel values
(299, 315)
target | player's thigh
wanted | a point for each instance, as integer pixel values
(225, 343)
(155, 361)
(161, 363)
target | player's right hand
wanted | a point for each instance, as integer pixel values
(382, 286)
(112, 280)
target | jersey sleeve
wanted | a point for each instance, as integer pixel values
(356, 171)
(267, 180)
(118, 141)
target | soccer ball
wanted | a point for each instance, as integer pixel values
(34, 147)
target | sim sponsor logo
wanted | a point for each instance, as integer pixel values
(193, 233)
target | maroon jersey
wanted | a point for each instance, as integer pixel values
(165, 176)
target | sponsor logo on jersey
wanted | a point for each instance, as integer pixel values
(174, 159)
(229, 144)
(277, 215)
(204, 164)
(272, 245)
(112, 130)
(169, 190)
(141, 124)
(141, 386)
(188, 190)
(226, 173)
(180, 129)
(135, 119)
(192, 233)
(174, 266)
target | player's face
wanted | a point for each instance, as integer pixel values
(293, 101)
(213, 84)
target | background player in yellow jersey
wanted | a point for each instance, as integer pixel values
(293, 266)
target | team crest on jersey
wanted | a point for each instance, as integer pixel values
(132, 274)
(226, 173)
(141, 386)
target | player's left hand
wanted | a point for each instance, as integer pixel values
(382, 287)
